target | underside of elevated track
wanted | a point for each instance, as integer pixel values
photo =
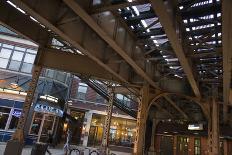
(172, 56)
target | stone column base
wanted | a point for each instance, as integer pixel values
(151, 153)
(13, 147)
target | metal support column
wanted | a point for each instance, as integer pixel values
(152, 147)
(15, 145)
(225, 147)
(141, 121)
(213, 128)
(105, 140)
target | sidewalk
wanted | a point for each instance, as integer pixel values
(27, 151)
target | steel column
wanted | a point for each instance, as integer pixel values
(141, 121)
(105, 140)
(152, 150)
(213, 128)
(18, 136)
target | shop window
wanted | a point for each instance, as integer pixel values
(36, 123)
(197, 146)
(14, 119)
(4, 114)
(122, 131)
(48, 123)
(182, 145)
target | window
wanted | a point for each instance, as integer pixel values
(14, 65)
(17, 56)
(14, 119)
(50, 73)
(8, 46)
(26, 67)
(82, 89)
(4, 57)
(99, 99)
(122, 131)
(4, 114)
(61, 76)
(197, 146)
(29, 58)
(3, 62)
(36, 123)
(19, 48)
(5, 53)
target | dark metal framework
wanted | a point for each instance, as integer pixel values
(194, 52)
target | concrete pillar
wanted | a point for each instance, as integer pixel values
(105, 140)
(141, 121)
(152, 150)
(213, 129)
(86, 125)
(15, 145)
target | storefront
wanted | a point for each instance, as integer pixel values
(45, 118)
(10, 111)
(122, 131)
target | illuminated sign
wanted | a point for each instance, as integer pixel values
(48, 109)
(195, 127)
(16, 113)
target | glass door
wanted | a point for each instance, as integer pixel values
(166, 145)
(182, 145)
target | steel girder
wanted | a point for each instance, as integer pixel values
(95, 46)
(176, 41)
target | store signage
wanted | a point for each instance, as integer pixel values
(17, 113)
(48, 109)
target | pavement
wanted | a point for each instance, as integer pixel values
(56, 151)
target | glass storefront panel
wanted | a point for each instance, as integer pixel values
(14, 119)
(36, 123)
(4, 114)
(122, 131)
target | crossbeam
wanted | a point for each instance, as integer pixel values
(89, 20)
(168, 25)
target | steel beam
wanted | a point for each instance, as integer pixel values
(83, 44)
(227, 53)
(168, 24)
(90, 21)
(76, 63)
(111, 7)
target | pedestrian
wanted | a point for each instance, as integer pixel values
(49, 141)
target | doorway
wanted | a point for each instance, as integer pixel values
(182, 145)
(166, 145)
